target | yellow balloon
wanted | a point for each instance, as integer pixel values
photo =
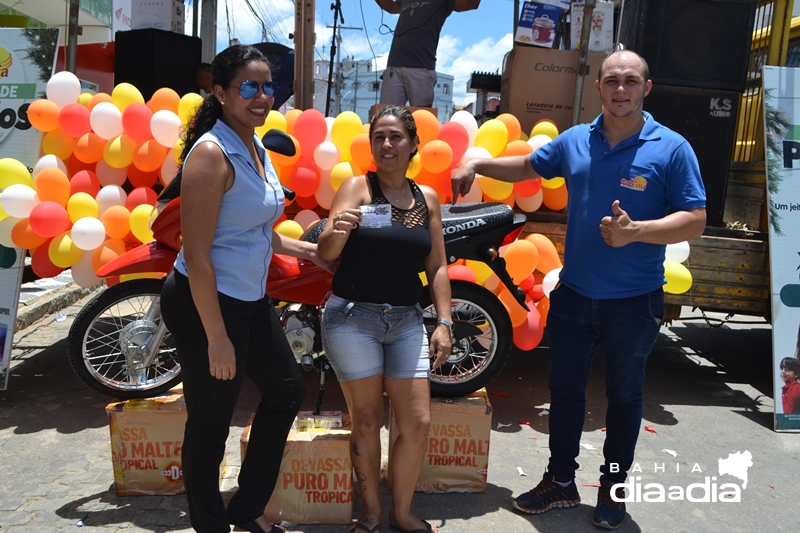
(495, 189)
(275, 121)
(345, 128)
(81, 205)
(339, 173)
(13, 172)
(6, 225)
(545, 127)
(482, 271)
(188, 105)
(85, 98)
(118, 152)
(58, 143)
(424, 278)
(125, 94)
(553, 183)
(679, 279)
(414, 166)
(177, 150)
(140, 222)
(290, 228)
(493, 136)
(62, 251)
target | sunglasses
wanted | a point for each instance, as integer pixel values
(249, 89)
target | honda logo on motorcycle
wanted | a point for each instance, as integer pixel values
(449, 230)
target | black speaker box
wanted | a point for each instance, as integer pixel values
(707, 119)
(150, 59)
(694, 43)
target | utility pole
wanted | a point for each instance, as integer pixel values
(208, 30)
(356, 87)
(73, 30)
(338, 37)
(304, 54)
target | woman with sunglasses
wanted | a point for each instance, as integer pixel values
(215, 304)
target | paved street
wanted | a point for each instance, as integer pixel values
(708, 394)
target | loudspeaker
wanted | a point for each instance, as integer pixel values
(150, 59)
(695, 43)
(707, 119)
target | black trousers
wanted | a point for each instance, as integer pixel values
(264, 356)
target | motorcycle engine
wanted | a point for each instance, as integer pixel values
(299, 332)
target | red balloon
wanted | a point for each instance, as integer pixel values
(139, 196)
(462, 272)
(136, 122)
(527, 283)
(305, 181)
(74, 120)
(84, 181)
(528, 187)
(49, 219)
(75, 165)
(306, 202)
(140, 178)
(536, 292)
(457, 137)
(528, 335)
(41, 264)
(280, 219)
(310, 129)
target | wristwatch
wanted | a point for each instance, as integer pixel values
(449, 326)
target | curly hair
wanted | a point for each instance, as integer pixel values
(404, 116)
(224, 68)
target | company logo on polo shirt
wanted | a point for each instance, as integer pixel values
(637, 184)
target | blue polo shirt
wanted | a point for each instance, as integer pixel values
(652, 174)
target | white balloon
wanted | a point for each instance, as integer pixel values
(48, 160)
(108, 196)
(474, 195)
(325, 192)
(466, 119)
(550, 281)
(88, 233)
(6, 225)
(326, 155)
(678, 252)
(106, 120)
(329, 123)
(83, 272)
(529, 204)
(537, 141)
(108, 175)
(165, 127)
(18, 200)
(63, 88)
(305, 218)
(476, 152)
(168, 169)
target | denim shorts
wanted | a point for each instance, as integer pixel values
(364, 339)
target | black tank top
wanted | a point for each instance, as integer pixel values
(381, 265)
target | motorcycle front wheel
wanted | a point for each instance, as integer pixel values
(483, 340)
(105, 341)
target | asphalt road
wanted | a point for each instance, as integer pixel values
(708, 394)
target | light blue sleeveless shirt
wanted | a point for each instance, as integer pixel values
(242, 247)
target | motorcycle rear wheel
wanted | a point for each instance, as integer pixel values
(96, 343)
(483, 344)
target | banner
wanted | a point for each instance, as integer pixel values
(27, 60)
(782, 141)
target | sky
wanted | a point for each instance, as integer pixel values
(471, 41)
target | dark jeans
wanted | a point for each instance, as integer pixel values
(576, 326)
(264, 356)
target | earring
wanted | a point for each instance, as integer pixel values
(221, 102)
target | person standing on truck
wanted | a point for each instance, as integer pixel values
(411, 72)
(634, 187)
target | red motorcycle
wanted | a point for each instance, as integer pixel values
(119, 345)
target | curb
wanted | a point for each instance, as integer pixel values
(51, 303)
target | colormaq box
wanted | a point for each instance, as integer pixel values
(315, 484)
(457, 454)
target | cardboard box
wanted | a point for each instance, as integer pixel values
(537, 24)
(601, 36)
(457, 453)
(315, 484)
(538, 83)
(167, 15)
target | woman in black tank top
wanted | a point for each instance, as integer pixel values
(386, 229)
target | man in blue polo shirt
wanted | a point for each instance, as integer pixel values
(634, 187)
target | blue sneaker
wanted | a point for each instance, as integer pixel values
(609, 514)
(546, 495)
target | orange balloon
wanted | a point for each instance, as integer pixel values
(513, 125)
(24, 237)
(516, 148)
(521, 257)
(43, 115)
(116, 220)
(361, 151)
(543, 306)
(285, 160)
(291, 118)
(427, 126)
(108, 251)
(517, 313)
(149, 155)
(436, 156)
(89, 148)
(548, 255)
(97, 98)
(555, 199)
(52, 185)
(58, 143)
(165, 99)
